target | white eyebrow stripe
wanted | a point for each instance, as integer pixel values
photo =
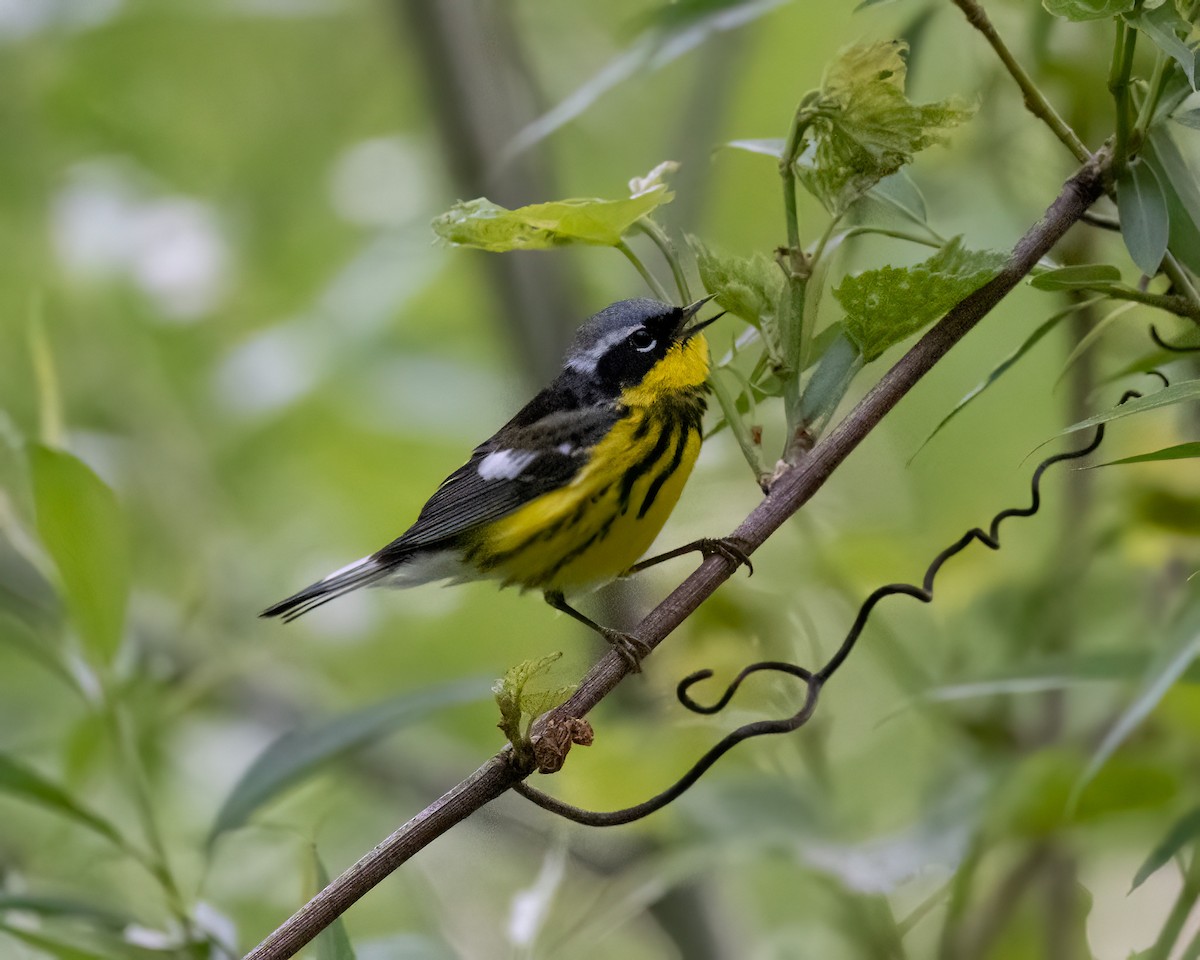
(505, 464)
(586, 361)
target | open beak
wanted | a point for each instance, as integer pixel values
(684, 332)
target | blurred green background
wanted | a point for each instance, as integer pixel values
(215, 231)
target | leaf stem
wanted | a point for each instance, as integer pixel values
(660, 239)
(651, 280)
(1158, 83)
(1035, 101)
(750, 450)
(1181, 306)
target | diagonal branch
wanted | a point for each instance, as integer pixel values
(792, 490)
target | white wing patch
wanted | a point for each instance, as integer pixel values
(505, 464)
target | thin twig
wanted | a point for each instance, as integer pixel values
(793, 489)
(1035, 101)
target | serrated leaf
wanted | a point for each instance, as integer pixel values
(25, 783)
(1079, 276)
(863, 128)
(1176, 655)
(487, 226)
(1181, 451)
(541, 701)
(1162, 25)
(333, 943)
(999, 370)
(1143, 210)
(1182, 392)
(81, 526)
(302, 753)
(1080, 10)
(1183, 831)
(1181, 192)
(886, 305)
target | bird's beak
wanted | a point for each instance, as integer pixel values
(684, 332)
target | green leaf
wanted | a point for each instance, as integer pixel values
(899, 192)
(748, 288)
(1077, 277)
(1002, 368)
(1183, 831)
(1182, 392)
(1182, 194)
(63, 907)
(886, 305)
(1182, 451)
(1189, 118)
(1162, 24)
(514, 700)
(60, 949)
(302, 753)
(1143, 209)
(1176, 655)
(18, 780)
(82, 528)
(862, 127)
(770, 147)
(333, 943)
(1078, 10)
(487, 226)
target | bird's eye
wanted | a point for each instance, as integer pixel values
(642, 340)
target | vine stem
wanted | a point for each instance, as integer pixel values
(1118, 85)
(791, 491)
(1035, 101)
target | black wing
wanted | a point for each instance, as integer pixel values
(541, 449)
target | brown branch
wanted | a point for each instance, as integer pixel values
(792, 490)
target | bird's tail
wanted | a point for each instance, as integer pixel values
(358, 574)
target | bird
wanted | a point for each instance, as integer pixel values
(573, 490)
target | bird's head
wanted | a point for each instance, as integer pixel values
(643, 345)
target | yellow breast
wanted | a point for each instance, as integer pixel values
(595, 528)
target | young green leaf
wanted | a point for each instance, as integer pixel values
(1163, 25)
(1079, 276)
(1079, 10)
(1182, 392)
(333, 943)
(886, 305)
(900, 193)
(487, 226)
(1181, 451)
(1145, 227)
(19, 780)
(514, 701)
(748, 288)
(82, 528)
(302, 753)
(863, 128)
(1183, 831)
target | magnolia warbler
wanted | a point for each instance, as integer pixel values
(572, 490)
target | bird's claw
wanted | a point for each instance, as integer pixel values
(632, 649)
(728, 548)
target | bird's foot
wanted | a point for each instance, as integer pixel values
(632, 649)
(727, 547)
